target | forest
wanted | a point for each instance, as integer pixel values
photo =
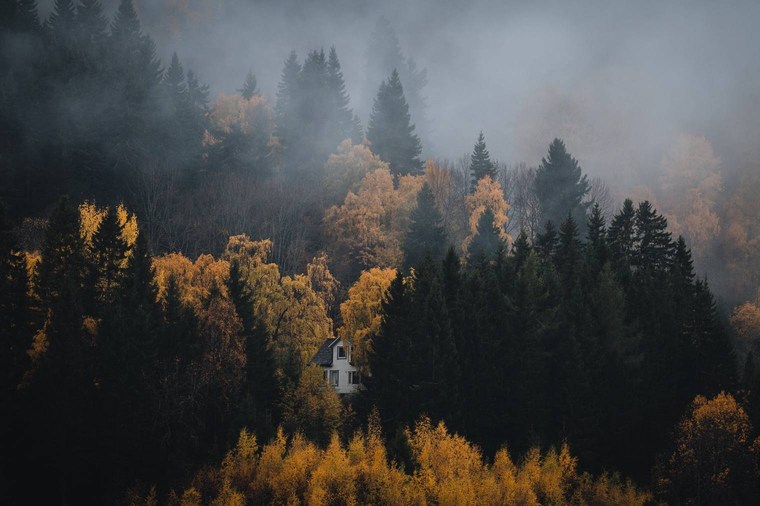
(173, 255)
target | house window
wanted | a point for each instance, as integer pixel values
(341, 352)
(354, 378)
(334, 378)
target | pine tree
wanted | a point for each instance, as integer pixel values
(15, 311)
(342, 118)
(622, 239)
(260, 386)
(480, 163)
(597, 250)
(715, 364)
(568, 256)
(92, 23)
(174, 81)
(62, 19)
(109, 250)
(288, 97)
(487, 243)
(520, 250)
(250, 86)
(655, 247)
(426, 235)
(546, 242)
(561, 186)
(390, 133)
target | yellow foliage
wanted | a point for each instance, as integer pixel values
(194, 279)
(370, 225)
(487, 195)
(360, 313)
(91, 215)
(448, 471)
(293, 308)
(345, 170)
(235, 112)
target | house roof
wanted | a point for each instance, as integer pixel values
(324, 354)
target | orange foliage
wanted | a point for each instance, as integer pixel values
(360, 313)
(370, 226)
(448, 471)
(487, 195)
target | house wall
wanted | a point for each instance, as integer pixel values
(343, 366)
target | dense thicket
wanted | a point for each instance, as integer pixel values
(499, 300)
(563, 342)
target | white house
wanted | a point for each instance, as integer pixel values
(335, 359)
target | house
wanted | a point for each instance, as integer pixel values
(334, 358)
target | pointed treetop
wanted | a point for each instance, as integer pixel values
(390, 131)
(126, 24)
(480, 163)
(250, 86)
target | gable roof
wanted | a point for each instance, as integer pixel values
(324, 354)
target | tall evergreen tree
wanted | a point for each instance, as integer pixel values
(561, 186)
(622, 239)
(250, 86)
(426, 235)
(487, 243)
(390, 132)
(546, 242)
(260, 386)
(480, 163)
(655, 247)
(341, 118)
(109, 251)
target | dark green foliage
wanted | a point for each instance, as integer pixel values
(561, 186)
(260, 388)
(546, 242)
(390, 132)
(313, 114)
(426, 236)
(109, 250)
(480, 163)
(487, 243)
(250, 86)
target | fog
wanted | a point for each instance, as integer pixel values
(617, 80)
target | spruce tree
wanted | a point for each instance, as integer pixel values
(174, 81)
(15, 311)
(597, 249)
(622, 239)
(655, 247)
(390, 132)
(426, 235)
(109, 250)
(260, 385)
(250, 86)
(487, 242)
(546, 242)
(568, 257)
(288, 97)
(520, 250)
(341, 117)
(480, 163)
(561, 186)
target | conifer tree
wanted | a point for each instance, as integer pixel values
(174, 81)
(15, 310)
(390, 132)
(342, 119)
(655, 247)
(480, 163)
(487, 243)
(426, 235)
(597, 249)
(287, 100)
(546, 242)
(561, 186)
(568, 257)
(109, 250)
(622, 239)
(520, 250)
(250, 86)
(260, 386)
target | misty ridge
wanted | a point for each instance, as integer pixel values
(357, 252)
(626, 87)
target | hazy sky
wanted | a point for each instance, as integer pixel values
(617, 80)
